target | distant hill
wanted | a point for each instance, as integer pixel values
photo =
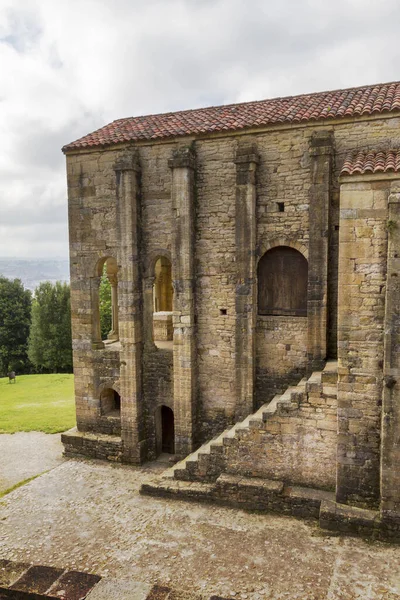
(33, 271)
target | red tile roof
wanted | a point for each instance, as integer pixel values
(361, 162)
(352, 102)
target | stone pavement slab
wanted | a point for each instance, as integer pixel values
(117, 589)
(73, 585)
(26, 454)
(89, 516)
(37, 579)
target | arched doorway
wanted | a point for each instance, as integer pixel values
(165, 430)
(282, 282)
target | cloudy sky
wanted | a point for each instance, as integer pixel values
(68, 67)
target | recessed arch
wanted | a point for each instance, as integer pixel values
(282, 276)
(266, 245)
(152, 258)
(111, 266)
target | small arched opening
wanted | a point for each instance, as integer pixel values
(110, 403)
(162, 301)
(282, 282)
(165, 430)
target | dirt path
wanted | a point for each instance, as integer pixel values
(90, 516)
(25, 454)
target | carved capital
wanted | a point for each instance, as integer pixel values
(321, 142)
(183, 157)
(394, 196)
(148, 283)
(247, 154)
(128, 162)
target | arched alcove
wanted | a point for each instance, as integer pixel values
(282, 282)
(110, 403)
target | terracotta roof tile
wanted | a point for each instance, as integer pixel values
(362, 162)
(352, 102)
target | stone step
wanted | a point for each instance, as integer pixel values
(178, 470)
(249, 493)
(329, 374)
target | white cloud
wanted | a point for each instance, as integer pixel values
(70, 67)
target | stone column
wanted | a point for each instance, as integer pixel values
(361, 311)
(390, 457)
(113, 335)
(97, 342)
(246, 160)
(321, 151)
(182, 165)
(127, 172)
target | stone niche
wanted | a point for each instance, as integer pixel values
(162, 326)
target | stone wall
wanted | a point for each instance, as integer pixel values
(297, 444)
(362, 285)
(215, 283)
(283, 181)
(158, 389)
(293, 439)
(281, 351)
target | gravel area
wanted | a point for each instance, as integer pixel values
(26, 454)
(88, 515)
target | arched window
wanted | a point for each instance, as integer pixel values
(282, 282)
(162, 285)
(105, 302)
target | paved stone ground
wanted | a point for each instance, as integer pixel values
(25, 454)
(90, 516)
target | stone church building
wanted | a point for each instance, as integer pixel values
(253, 252)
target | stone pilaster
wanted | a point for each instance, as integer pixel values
(361, 310)
(321, 151)
(390, 457)
(182, 165)
(246, 160)
(127, 173)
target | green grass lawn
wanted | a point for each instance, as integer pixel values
(37, 403)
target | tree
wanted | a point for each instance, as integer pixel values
(15, 318)
(50, 339)
(105, 305)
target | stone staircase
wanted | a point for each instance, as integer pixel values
(208, 462)
(282, 458)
